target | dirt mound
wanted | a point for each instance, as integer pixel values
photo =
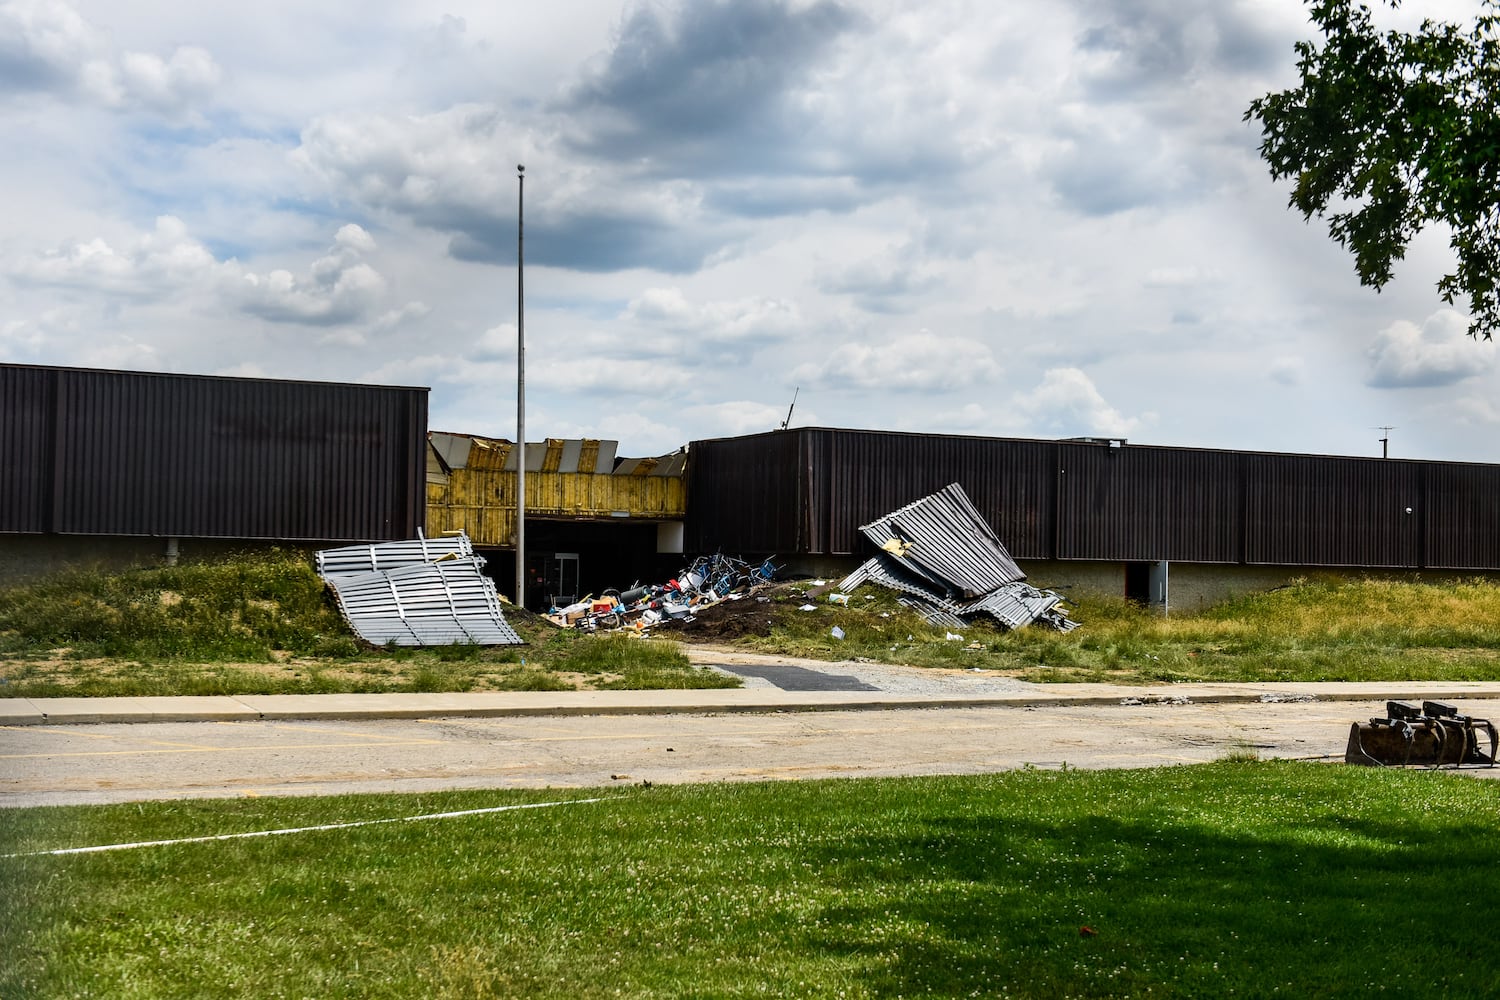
(755, 613)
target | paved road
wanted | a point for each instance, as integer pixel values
(127, 762)
(793, 719)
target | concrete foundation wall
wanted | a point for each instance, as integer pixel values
(1194, 587)
(1191, 587)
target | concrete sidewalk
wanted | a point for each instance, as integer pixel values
(76, 711)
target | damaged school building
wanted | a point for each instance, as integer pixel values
(111, 467)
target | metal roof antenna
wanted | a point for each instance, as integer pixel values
(789, 409)
(1385, 442)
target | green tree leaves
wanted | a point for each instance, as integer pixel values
(1390, 132)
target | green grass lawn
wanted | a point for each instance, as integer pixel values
(1237, 878)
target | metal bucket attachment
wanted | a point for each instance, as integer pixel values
(1432, 735)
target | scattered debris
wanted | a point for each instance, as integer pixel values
(1157, 699)
(423, 592)
(939, 553)
(836, 632)
(1273, 698)
(708, 581)
(1431, 736)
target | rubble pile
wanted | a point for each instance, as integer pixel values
(950, 568)
(708, 581)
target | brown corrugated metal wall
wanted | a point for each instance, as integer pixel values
(124, 453)
(807, 491)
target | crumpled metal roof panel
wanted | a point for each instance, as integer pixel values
(943, 537)
(941, 554)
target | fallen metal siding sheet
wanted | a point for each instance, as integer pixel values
(418, 604)
(353, 560)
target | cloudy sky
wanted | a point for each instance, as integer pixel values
(1041, 218)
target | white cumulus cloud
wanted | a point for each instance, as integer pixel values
(921, 361)
(1068, 403)
(47, 47)
(339, 288)
(1437, 353)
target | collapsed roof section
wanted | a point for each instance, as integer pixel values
(950, 566)
(422, 592)
(471, 485)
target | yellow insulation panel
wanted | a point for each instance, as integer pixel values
(482, 499)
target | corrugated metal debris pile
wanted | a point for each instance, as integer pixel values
(423, 592)
(708, 581)
(939, 553)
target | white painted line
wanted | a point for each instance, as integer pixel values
(299, 829)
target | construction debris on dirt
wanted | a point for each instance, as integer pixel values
(423, 592)
(710, 580)
(950, 568)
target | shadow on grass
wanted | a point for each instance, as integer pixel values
(1319, 900)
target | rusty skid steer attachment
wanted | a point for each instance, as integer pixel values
(1433, 735)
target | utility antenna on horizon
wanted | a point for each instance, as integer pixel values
(1385, 442)
(789, 409)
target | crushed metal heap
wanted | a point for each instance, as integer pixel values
(423, 592)
(951, 568)
(709, 580)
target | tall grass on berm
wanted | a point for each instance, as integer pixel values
(1239, 878)
(199, 628)
(1332, 628)
(240, 608)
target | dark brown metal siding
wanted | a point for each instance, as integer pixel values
(1147, 504)
(197, 457)
(25, 420)
(869, 474)
(807, 491)
(1461, 516)
(1319, 511)
(744, 495)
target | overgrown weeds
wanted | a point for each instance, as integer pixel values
(1335, 629)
